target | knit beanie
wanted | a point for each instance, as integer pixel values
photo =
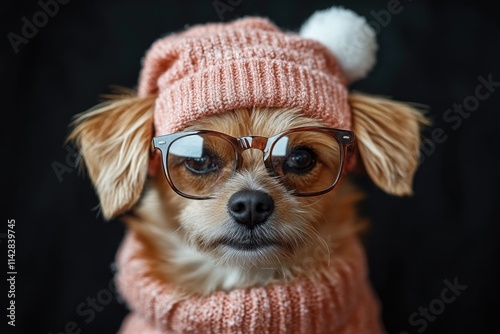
(250, 62)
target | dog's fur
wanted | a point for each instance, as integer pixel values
(182, 234)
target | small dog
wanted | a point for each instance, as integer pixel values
(242, 197)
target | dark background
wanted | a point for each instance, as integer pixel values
(431, 53)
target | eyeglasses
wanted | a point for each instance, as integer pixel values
(308, 161)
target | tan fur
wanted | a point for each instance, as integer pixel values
(114, 139)
(183, 235)
(388, 136)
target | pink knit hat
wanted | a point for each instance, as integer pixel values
(217, 67)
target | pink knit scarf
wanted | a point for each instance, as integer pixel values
(338, 299)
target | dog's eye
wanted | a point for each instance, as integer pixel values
(300, 160)
(202, 165)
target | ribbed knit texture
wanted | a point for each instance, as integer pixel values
(216, 67)
(338, 299)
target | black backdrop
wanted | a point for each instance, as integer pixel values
(431, 53)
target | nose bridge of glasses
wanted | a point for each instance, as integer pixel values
(255, 142)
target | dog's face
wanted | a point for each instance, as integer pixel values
(254, 227)
(253, 219)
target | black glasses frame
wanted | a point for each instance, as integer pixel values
(345, 138)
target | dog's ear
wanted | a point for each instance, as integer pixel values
(388, 139)
(114, 141)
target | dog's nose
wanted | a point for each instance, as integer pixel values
(250, 207)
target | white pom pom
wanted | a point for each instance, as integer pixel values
(348, 36)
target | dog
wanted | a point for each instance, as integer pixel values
(244, 197)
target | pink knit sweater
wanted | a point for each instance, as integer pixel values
(338, 299)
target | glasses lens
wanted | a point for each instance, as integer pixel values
(307, 161)
(197, 163)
